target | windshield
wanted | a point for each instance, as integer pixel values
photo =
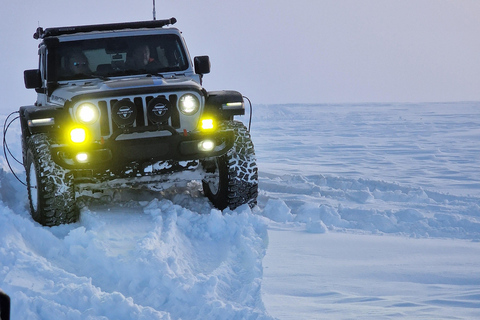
(120, 56)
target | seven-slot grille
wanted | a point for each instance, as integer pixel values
(108, 125)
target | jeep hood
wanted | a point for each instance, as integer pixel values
(68, 91)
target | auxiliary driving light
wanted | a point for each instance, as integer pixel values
(82, 157)
(87, 113)
(206, 145)
(207, 124)
(159, 109)
(188, 104)
(78, 135)
(124, 113)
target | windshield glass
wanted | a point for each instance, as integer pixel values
(120, 56)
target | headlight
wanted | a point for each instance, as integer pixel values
(87, 113)
(188, 104)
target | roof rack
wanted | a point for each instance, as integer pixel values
(53, 32)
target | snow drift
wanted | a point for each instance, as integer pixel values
(153, 260)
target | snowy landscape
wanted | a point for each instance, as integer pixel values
(365, 211)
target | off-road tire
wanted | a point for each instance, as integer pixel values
(234, 181)
(51, 192)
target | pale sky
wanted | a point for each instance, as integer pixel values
(277, 51)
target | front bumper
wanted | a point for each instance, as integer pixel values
(117, 152)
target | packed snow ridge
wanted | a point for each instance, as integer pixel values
(137, 260)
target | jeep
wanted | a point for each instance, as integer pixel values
(122, 105)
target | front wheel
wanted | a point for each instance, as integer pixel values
(232, 179)
(51, 192)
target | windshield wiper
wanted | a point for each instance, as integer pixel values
(155, 74)
(104, 78)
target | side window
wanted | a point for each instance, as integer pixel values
(43, 64)
(179, 56)
(170, 51)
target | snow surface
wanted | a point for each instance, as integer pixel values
(365, 212)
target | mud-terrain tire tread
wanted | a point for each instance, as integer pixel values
(55, 185)
(237, 172)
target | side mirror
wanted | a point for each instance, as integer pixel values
(202, 64)
(32, 79)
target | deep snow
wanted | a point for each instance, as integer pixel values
(365, 211)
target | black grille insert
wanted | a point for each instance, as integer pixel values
(141, 104)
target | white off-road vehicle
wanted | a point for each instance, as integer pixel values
(123, 105)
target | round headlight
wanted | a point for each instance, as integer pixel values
(188, 104)
(87, 113)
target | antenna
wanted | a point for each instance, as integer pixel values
(154, 13)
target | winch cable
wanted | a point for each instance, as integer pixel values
(250, 119)
(5, 129)
(6, 148)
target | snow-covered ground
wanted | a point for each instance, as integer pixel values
(365, 211)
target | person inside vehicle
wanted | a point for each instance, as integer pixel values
(78, 64)
(141, 59)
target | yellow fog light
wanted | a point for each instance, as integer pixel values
(207, 124)
(78, 135)
(82, 157)
(206, 145)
